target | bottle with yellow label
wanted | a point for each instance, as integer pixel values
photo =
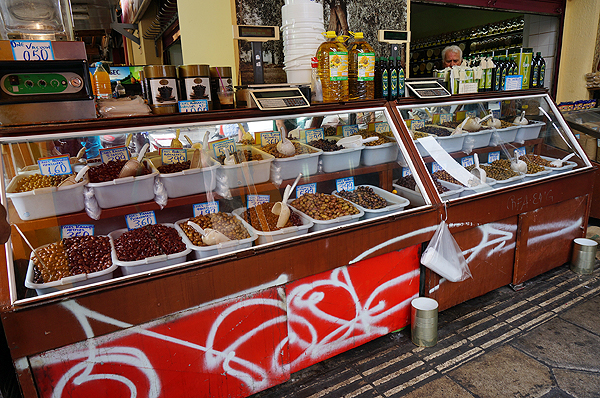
(361, 69)
(332, 56)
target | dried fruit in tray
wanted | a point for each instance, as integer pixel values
(326, 145)
(300, 149)
(110, 170)
(148, 241)
(382, 138)
(225, 223)
(365, 197)
(410, 183)
(168, 168)
(321, 206)
(262, 218)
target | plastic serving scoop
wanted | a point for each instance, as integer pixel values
(196, 145)
(459, 128)
(521, 119)
(195, 162)
(560, 162)
(80, 154)
(74, 179)
(229, 160)
(246, 136)
(281, 208)
(285, 146)
(355, 141)
(472, 125)
(134, 165)
(493, 123)
(478, 171)
(175, 143)
(209, 236)
(204, 156)
(518, 165)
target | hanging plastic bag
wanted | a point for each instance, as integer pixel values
(444, 257)
(160, 193)
(91, 204)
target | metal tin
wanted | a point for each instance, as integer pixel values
(161, 84)
(583, 258)
(221, 86)
(194, 83)
(424, 321)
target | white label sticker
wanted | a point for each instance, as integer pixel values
(191, 106)
(138, 220)
(173, 155)
(32, 50)
(58, 165)
(349, 130)
(69, 231)
(163, 91)
(254, 200)
(493, 156)
(202, 209)
(116, 153)
(197, 88)
(466, 88)
(306, 188)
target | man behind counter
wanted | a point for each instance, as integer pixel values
(451, 56)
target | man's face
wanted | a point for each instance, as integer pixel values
(451, 59)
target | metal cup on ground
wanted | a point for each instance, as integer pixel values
(424, 321)
(583, 258)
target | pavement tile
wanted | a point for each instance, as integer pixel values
(401, 377)
(577, 383)
(504, 372)
(561, 344)
(463, 322)
(440, 388)
(585, 315)
(332, 384)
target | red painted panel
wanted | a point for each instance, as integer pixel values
(335, 311)
(231, 349)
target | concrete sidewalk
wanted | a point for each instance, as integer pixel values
(541, 341)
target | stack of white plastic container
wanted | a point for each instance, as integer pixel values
(302, 28)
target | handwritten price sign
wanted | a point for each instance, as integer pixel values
(493, 156)
(382, 127)
(306, 188)
(69, 231)
(349, 130)
(254, 200)
(173, 155)
(417, 124)
(55, 166)
(219, 147)
(138, 220)
(471, 114)
(269, 137)
(191, 106)
(520, 151)
(436, 167)
(445, 117)
(467, 161)
(202, 209)
(344, 184)
(406, 172)
(32, 50)
(116, 153)
(314, 134)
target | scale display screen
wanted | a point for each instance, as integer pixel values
(393, 36)
(431, 89)
(255, 32)
(282, 98)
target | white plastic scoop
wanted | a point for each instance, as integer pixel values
(472, 125)
(204, 156)
(134, 166)
(355, 141)
(518, 165)
(74, 179)
(281, 208)
(478, 171)
(209, 236)
(229, 160)
(459, 128)
(285, 146)
(560, 162)
(521, 119)
(493, 123)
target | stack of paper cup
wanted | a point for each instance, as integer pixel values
(302, 28)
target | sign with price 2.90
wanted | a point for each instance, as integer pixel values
(219, 147)
(55, 166)
(115, 153)
(173, 155)
(138, 220)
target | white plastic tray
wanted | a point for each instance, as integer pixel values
(452, 143)
(149, 263)
(529, 131)
(556, 170)
(543, 173)
(413, 196)
(125, 191)
(68, 282)
(190, 181)
(454, 190)
(378, 154)
(479, 139)
(503, 136)
(46, 202)
(344, 159)
(509, 181)
(319, 225)
(395, 203)
(490, 182)
(284, 233)
(248, 173)
(220, 248)
(306, 163)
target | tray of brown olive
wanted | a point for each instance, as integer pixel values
(326, 211)
(374, 201)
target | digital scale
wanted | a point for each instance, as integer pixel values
(427, 88)
(273, 96)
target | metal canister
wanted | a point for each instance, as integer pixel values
(161, 83)
(583, 258)
(424, 321)
(194, 83)
(221, 85)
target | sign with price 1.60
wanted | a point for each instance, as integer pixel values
(219, 147)
(138, 220)
(173, 155)
(54, 166)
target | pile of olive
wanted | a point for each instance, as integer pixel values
(110, 170)
(496, 172)
(365, 197)
(167, 168)
(382, 138)
(321, 206)
(532, 168)
(504, 124)
(325, 145)
(410, 183)
(148, 241)
(37, 181)
(536, 159)
(262, 218)
(419, 134)
(300, 149)
(242, 156)
(450, 124)
(445, 176)
(225, 223)
(72, 256)
(330, 131)
(433, 130)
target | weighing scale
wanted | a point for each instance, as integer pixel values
(394, 38)
(427, 88)
(266, 96)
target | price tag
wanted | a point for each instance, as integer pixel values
(417, 124)
(349, 130)
(116, 153)
(254, 200)
(314, 134)
(406, 172)
(138, 220)
(493, 156)
(445, 117)
(32, 50)
(219, 147)
(471, 114)
(269, 137)
(382, 127)
(190, 106)
(173, 155)
(344, 184)
(467, 161)
(306, 188)
(520, 152)
(201, 209)
(436, 167)
(69, 231)
(54, 166)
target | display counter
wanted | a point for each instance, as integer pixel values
(253, 252)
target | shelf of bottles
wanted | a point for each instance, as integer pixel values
(494, 38)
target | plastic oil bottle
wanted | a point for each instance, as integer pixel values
(361, 69)
(333, 68)
(102, 82)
